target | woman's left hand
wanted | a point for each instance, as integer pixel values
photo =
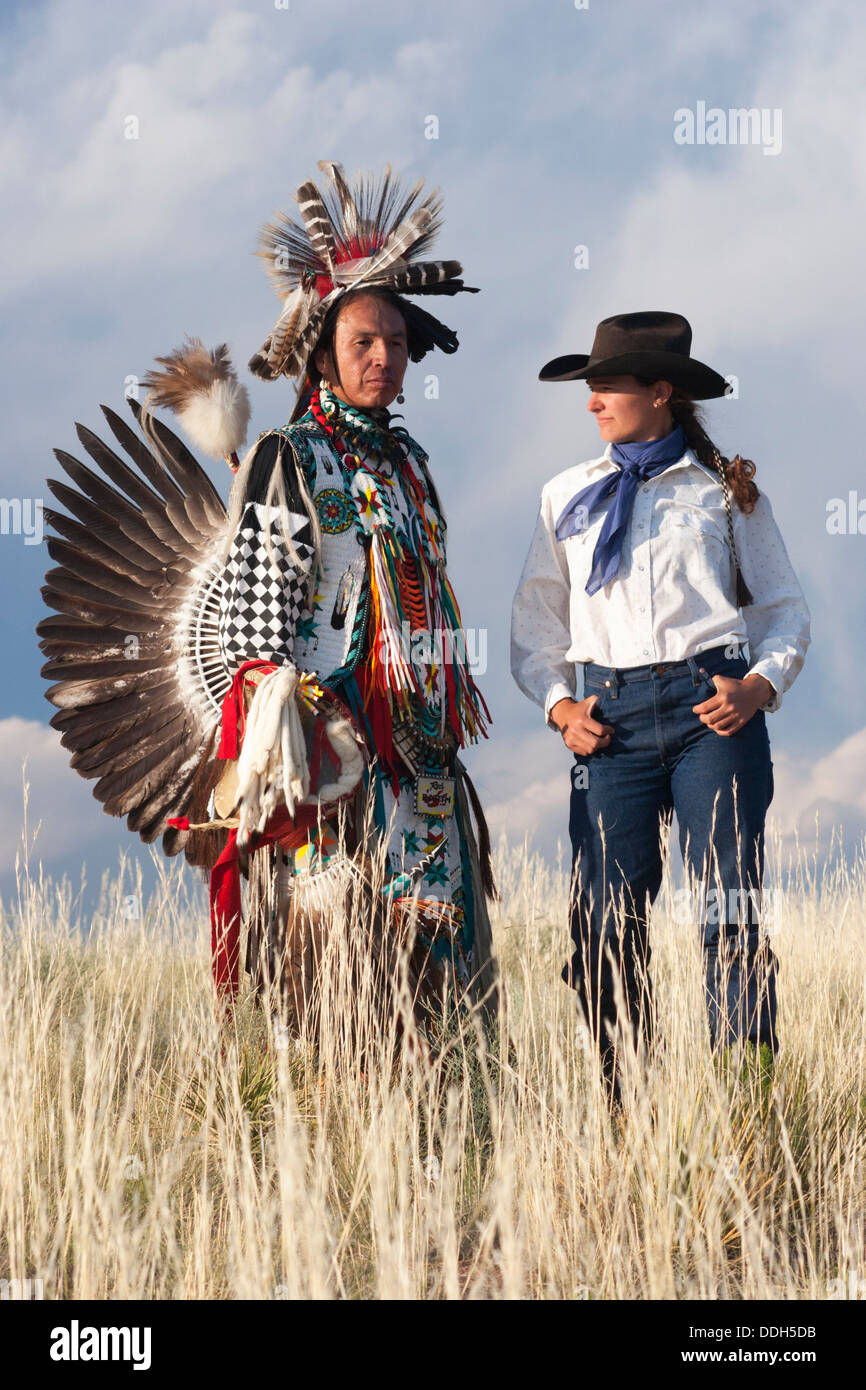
(734, 703)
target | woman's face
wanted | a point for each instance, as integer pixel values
(624, 408)
(371, 350)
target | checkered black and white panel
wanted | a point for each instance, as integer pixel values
(260, 608)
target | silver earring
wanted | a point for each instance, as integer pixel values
(400, 397)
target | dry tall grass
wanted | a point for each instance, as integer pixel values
(148, 1152)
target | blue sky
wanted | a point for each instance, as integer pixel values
(555, 129)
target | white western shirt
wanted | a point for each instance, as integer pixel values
(673, 595)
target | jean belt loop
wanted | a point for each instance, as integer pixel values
(695, 670)
(612, 682)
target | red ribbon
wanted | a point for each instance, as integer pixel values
(225, 890)
(234, 716)
(225, 918)
(225, 880)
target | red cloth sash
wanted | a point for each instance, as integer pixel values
(225, 887)
(234, 715)
(225, 879)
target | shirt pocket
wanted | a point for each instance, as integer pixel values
(580, 549)
(692, 547)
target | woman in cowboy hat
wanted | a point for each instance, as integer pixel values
(643, 572)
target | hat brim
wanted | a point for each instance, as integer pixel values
(695, 377)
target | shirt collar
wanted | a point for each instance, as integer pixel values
(605, 464)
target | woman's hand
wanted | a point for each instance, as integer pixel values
(734, 703)
(580, 732)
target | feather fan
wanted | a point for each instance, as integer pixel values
(137, 700)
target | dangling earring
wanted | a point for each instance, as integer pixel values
(324, 384)
(400, 397)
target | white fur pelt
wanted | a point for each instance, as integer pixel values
(216, 420)
(346, 745)
(273, 761)
(202, 388)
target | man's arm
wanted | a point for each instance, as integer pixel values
(268, 564)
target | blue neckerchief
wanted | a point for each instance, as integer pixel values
(638, 460)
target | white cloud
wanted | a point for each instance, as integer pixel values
(220, 116)
(831, 788)
(755, 248)
(63, 819)
(524, 784)
(523, 780)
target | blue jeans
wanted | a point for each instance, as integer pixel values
(662, 759)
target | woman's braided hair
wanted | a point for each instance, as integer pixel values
(735, 475)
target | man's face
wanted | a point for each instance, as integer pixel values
(371, 351)
(624, 410)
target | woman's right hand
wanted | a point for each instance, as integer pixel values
(580, 732)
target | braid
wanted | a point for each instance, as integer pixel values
(735, 476)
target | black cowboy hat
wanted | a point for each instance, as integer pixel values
(651, 344)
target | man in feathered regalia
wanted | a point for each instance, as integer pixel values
(284, 688)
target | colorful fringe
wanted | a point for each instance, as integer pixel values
(407, 587)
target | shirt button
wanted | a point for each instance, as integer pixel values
(641, 526)
(641, 609)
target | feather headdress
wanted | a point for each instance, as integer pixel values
(365, 235)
